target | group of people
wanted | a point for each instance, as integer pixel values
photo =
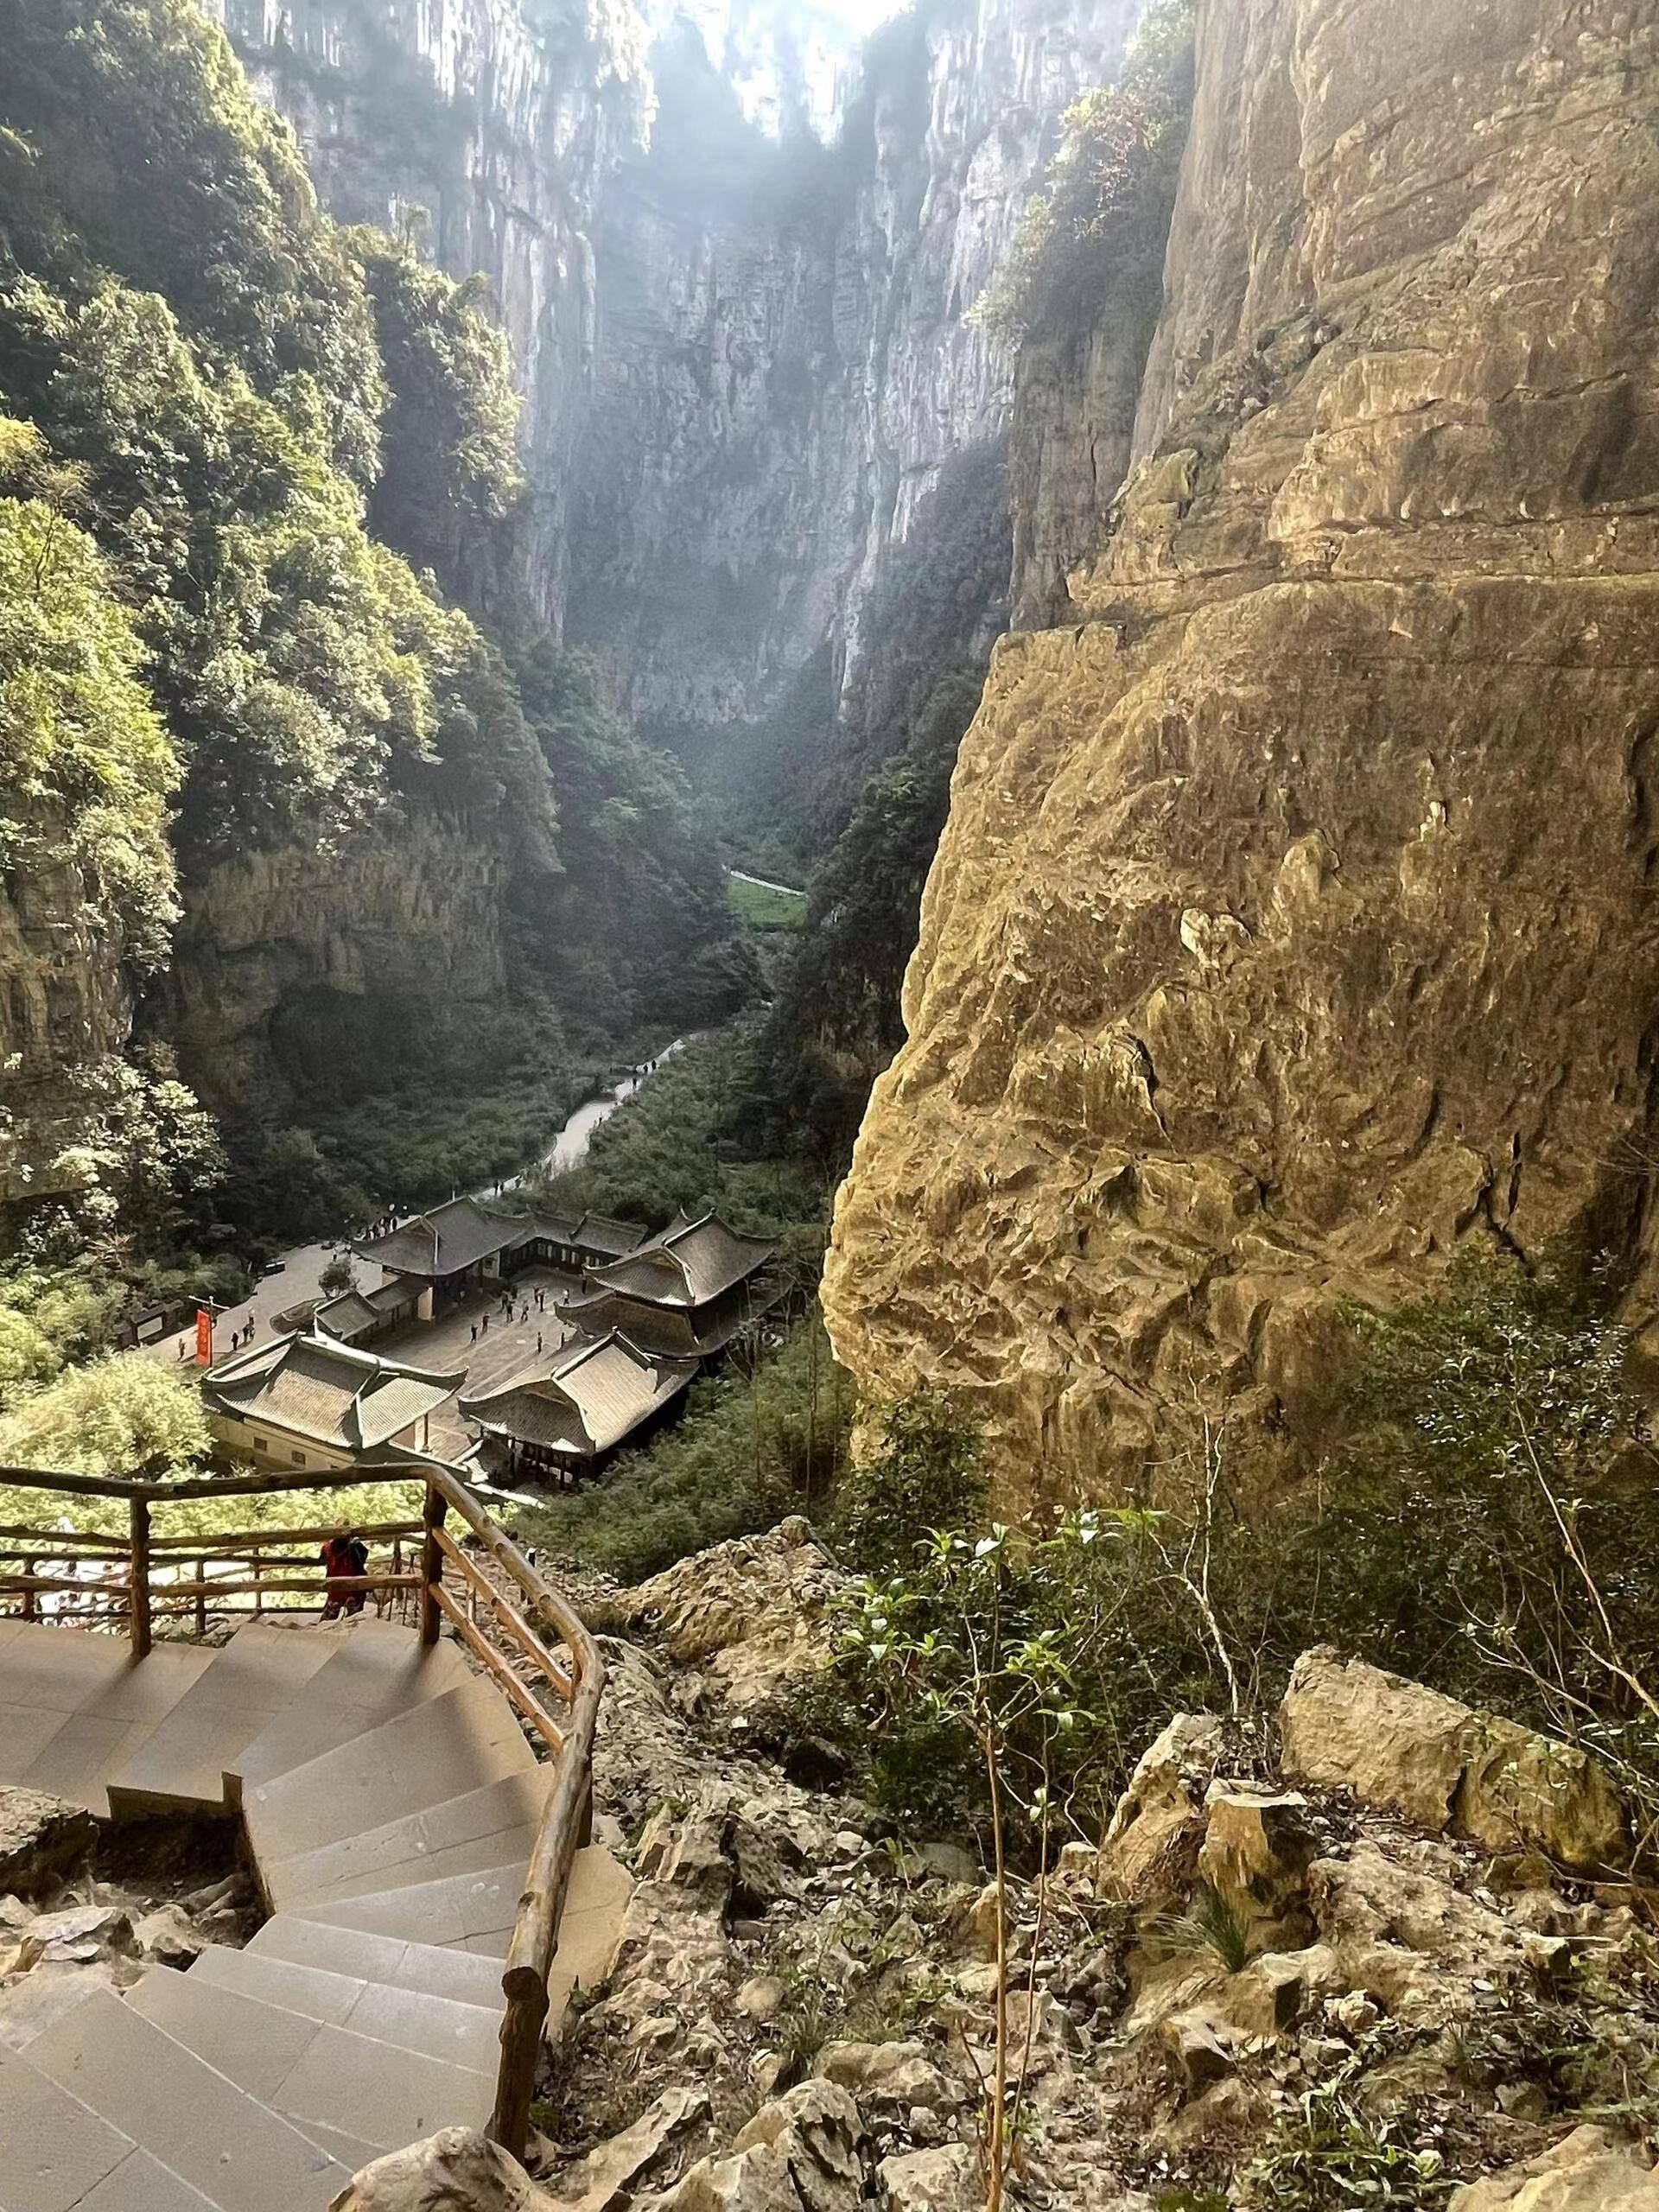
(535, 1297)
(345, 1556)
(381, 1225)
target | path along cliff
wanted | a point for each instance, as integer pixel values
(1293, 921)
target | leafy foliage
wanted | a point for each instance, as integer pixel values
(1094, 235)
(450, 473)
(922, 1472)
(85, 762)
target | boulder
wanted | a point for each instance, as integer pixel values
(610, 2175)
(457, 2167)
(1200, 2046)
(43, 1840)
(755, 1612)
(897, 2075)
(1588, 2171)
(1413, 1942)
(762, 1997)
(802, 2152)
(1274, 1990)
(1257, 1848)
(942, 2180)
(1439, 1763)
(1159, 1817)
(81, 1932)
(168, 1935)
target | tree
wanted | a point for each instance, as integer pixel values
(119, 1415)
(955, 1640)
(337, 1277)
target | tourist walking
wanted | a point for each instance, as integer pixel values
(343, 1556)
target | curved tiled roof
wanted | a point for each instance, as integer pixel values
(316, 1387)
(591, 1395)
(689, 1264)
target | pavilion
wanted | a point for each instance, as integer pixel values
(441, 1253)
(309, 1401)
(686, 1292)
(568, 1412)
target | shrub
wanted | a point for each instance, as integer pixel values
(1094, 236)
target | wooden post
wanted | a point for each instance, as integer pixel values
(201, 1598)
(138, 1579)
(432, 1568)
(31, 1604)
(515, 2084)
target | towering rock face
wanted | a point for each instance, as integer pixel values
(733, 254)
(783, 366)
(1295, 919)
(490, 125)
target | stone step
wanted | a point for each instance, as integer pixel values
(412, 2019)
(73, 1706)
(392, 1961)
(443, 1748)
(312, 2071)
(476, 1912)
(57, 2155)
(169, 2101)
(380, 1670)
(181, 1766)
(484, 1827)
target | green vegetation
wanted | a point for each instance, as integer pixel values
(1490, 1527)
(243, 452)
(1092, 240)
(667, 1150)
(836, 1021)
(765, 909)
(751, 1447)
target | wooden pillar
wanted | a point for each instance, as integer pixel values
(201, 1598)
(138, 1579)
(31, 1602)
(515, 2084)
(432, 1515)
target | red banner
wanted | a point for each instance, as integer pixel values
(204, 1337)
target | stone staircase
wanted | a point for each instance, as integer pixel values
(390, 1802)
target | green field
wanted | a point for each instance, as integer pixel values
(763, 908)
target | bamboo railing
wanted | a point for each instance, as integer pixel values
(145, 1576)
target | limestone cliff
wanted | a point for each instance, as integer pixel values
(1295, 918)
(733, 254)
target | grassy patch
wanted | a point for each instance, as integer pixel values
(766, 909)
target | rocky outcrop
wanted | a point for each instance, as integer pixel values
(306, 969)
(734, 256)
(1294, 920)
(65, 1013)
(1446, 1766)
(42, 1840)
(1589, 2172)
(783, 366)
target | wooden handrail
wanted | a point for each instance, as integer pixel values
(565, 1820)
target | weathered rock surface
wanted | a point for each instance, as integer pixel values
(1293, 922)
(1588, 2172)
(455, 2168)
(1443, 1765)
(752, 1615)
(42, 1840)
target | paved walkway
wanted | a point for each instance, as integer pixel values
(500, 1351)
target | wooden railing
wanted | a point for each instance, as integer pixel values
(144, 1576)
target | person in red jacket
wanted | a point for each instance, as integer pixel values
(343, 1556)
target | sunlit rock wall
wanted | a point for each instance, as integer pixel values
(1294, 921)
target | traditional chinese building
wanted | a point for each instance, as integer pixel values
(308, 1400)
(442, 1254)
(567, 1415)
(686, 1292)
